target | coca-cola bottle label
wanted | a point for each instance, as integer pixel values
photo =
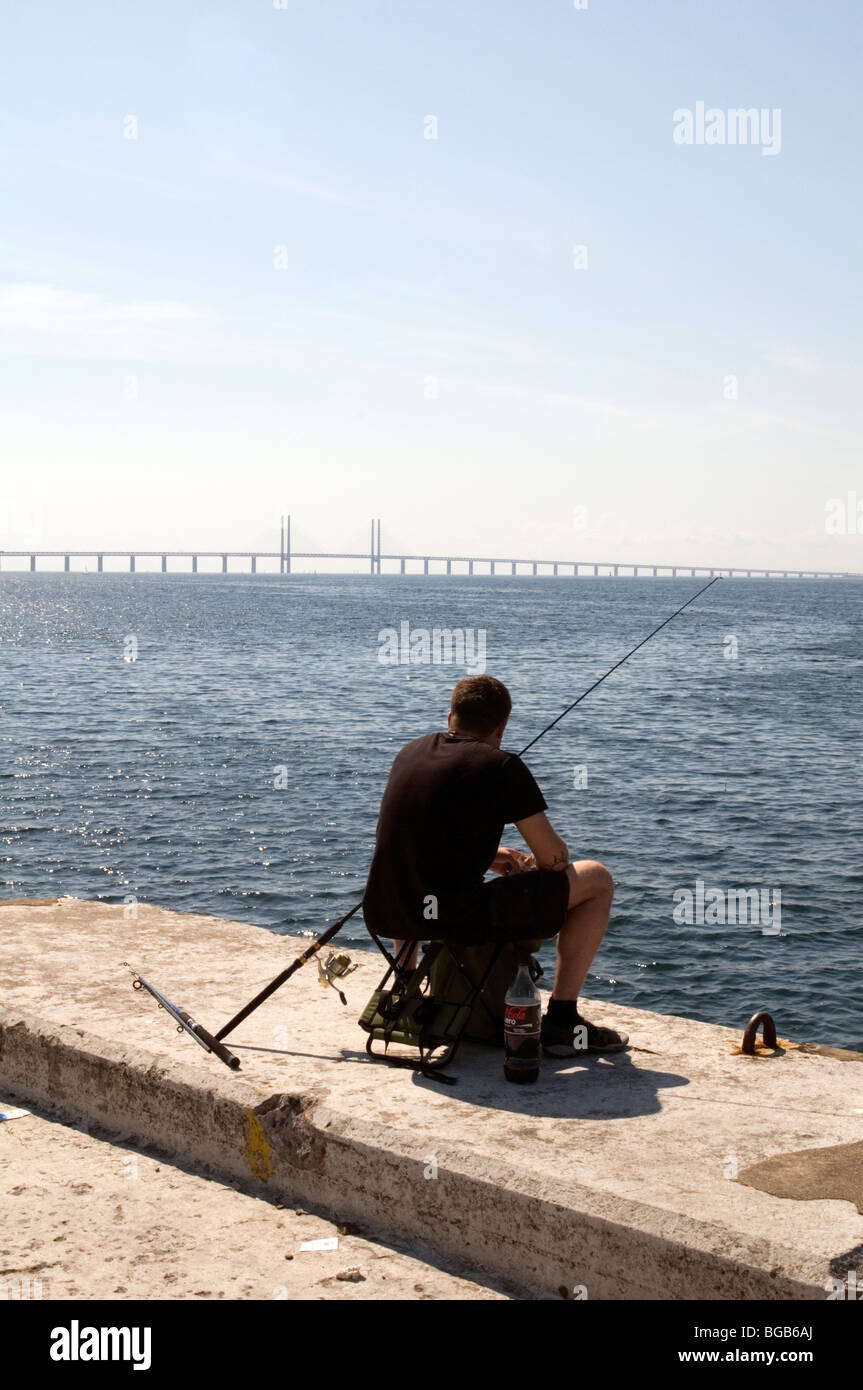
(521, 1019)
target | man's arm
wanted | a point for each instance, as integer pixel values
(549, 850)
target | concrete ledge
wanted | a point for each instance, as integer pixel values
(652, 1174)
(547, 1236)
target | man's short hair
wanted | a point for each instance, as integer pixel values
(480, 704)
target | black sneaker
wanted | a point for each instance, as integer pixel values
(575, 1035)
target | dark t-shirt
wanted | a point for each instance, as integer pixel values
(446, 803)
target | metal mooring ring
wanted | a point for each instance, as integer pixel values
(768, 1032)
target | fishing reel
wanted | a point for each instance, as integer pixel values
(337, 965)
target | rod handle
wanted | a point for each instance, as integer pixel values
(218, 1048)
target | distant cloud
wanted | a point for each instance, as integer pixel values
(521, 393)
(288, 184)
(798, 362)
(40, 306)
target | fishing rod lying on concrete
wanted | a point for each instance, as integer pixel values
(337, 966)
(185, 1023)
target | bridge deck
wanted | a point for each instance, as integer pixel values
(496, 564)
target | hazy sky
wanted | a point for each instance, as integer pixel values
(237, 277)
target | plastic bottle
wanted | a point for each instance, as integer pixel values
(521, 1025)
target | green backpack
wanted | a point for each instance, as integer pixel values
(485, 1024)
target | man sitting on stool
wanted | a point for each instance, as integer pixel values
(447, 800)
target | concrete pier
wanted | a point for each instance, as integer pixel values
(681, 1169)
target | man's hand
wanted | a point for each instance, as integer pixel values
(511, 861)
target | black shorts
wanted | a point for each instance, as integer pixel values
(518, 907)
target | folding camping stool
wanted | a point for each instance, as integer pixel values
(404, 1010)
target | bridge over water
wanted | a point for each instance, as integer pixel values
(375, 561)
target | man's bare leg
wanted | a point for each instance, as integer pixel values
(565, 1031)
(591, 890)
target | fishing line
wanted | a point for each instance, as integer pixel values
(616, 667)
(330, 932)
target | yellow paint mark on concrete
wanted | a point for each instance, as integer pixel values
(259, 1155)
